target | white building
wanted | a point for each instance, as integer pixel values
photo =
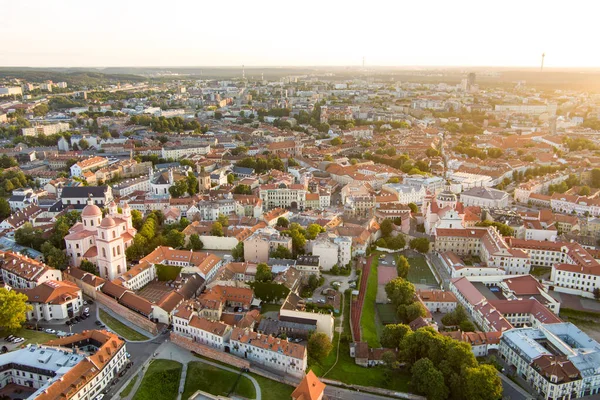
(102, 241)
(406, 194)
(22, 272)
(484, 197)
(283, 196)
(332, 250)
(75, 367)
(558, 360)
(433, 184)
(89, 164)
(269, 351)
(46, 130)
(53, 300)
(177, 153)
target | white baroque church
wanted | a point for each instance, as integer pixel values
(102, 240)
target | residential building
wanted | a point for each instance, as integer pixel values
(269, 351)
(559, 361)
(22, 272)
(53, 300)
(90, 164)
(484, 197)
(80, 366)
(283, 196)
(262, 243)
(46, 130)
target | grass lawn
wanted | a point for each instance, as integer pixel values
(387, 314)
(273, 390)
(161, 381)
(266, 307)
(125, 392)
(120, 328)
(30, 336)
(216, 381)
(540, 271)
(419, 271)
(368, 324)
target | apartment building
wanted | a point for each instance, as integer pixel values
(269, 351)
(262, 243)
(53, 300)
(80, 366)
(46, 130)
(484, 197)
(89, 164)
(283, 195)
(574, 270)
(558, 360)
(487, 244)
(22, 272)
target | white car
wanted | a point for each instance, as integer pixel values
(52, 331)
(100, 397)
(18, 340)
(86, 310)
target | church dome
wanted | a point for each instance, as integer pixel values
(108, 222)
(91, 210)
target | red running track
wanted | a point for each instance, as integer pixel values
(357, 305)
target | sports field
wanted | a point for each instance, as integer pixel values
(419, 272)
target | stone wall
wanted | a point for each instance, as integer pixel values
(129, 315)
(206, 351)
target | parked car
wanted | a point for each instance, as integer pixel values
(98, 323)
(85, 302)
(68, 323)
(77, 318)
(122, 373)
(100, 396)
(86, 310)
(19, 340)
(90, 301)
(85, 316)
(8, 338)
(51, 331)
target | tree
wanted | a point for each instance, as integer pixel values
(13, 309)
(192, 184)
(504, 229)
(84, 144)
(216, 229)
(420, 244)
(281, 252)
(54, 257)
(413, 208)
(402, 267)
(223, 219)
(175, 239)
(336, 141)
(263, 273)
(387, 227)
(313, 230)
(597, 293)
(283, 222)
(4, 208)
(242, 189)
(400, 291)
(195, 242)
(482, 383)
(409, 313)
(230, 179)
(88, 266)
(319, 346)
(428, 380)
(136, 219)
(393, 335)
(238, 252)
(389, 359)
(585, 191)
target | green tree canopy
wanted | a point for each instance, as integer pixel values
(13, 309)
(319, 346)
(263, 273)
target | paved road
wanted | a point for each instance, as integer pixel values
(440, 269)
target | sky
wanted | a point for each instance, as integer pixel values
(67, 33)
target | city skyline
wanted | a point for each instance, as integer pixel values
(435, 34)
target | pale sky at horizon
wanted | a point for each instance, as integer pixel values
(67, 33)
